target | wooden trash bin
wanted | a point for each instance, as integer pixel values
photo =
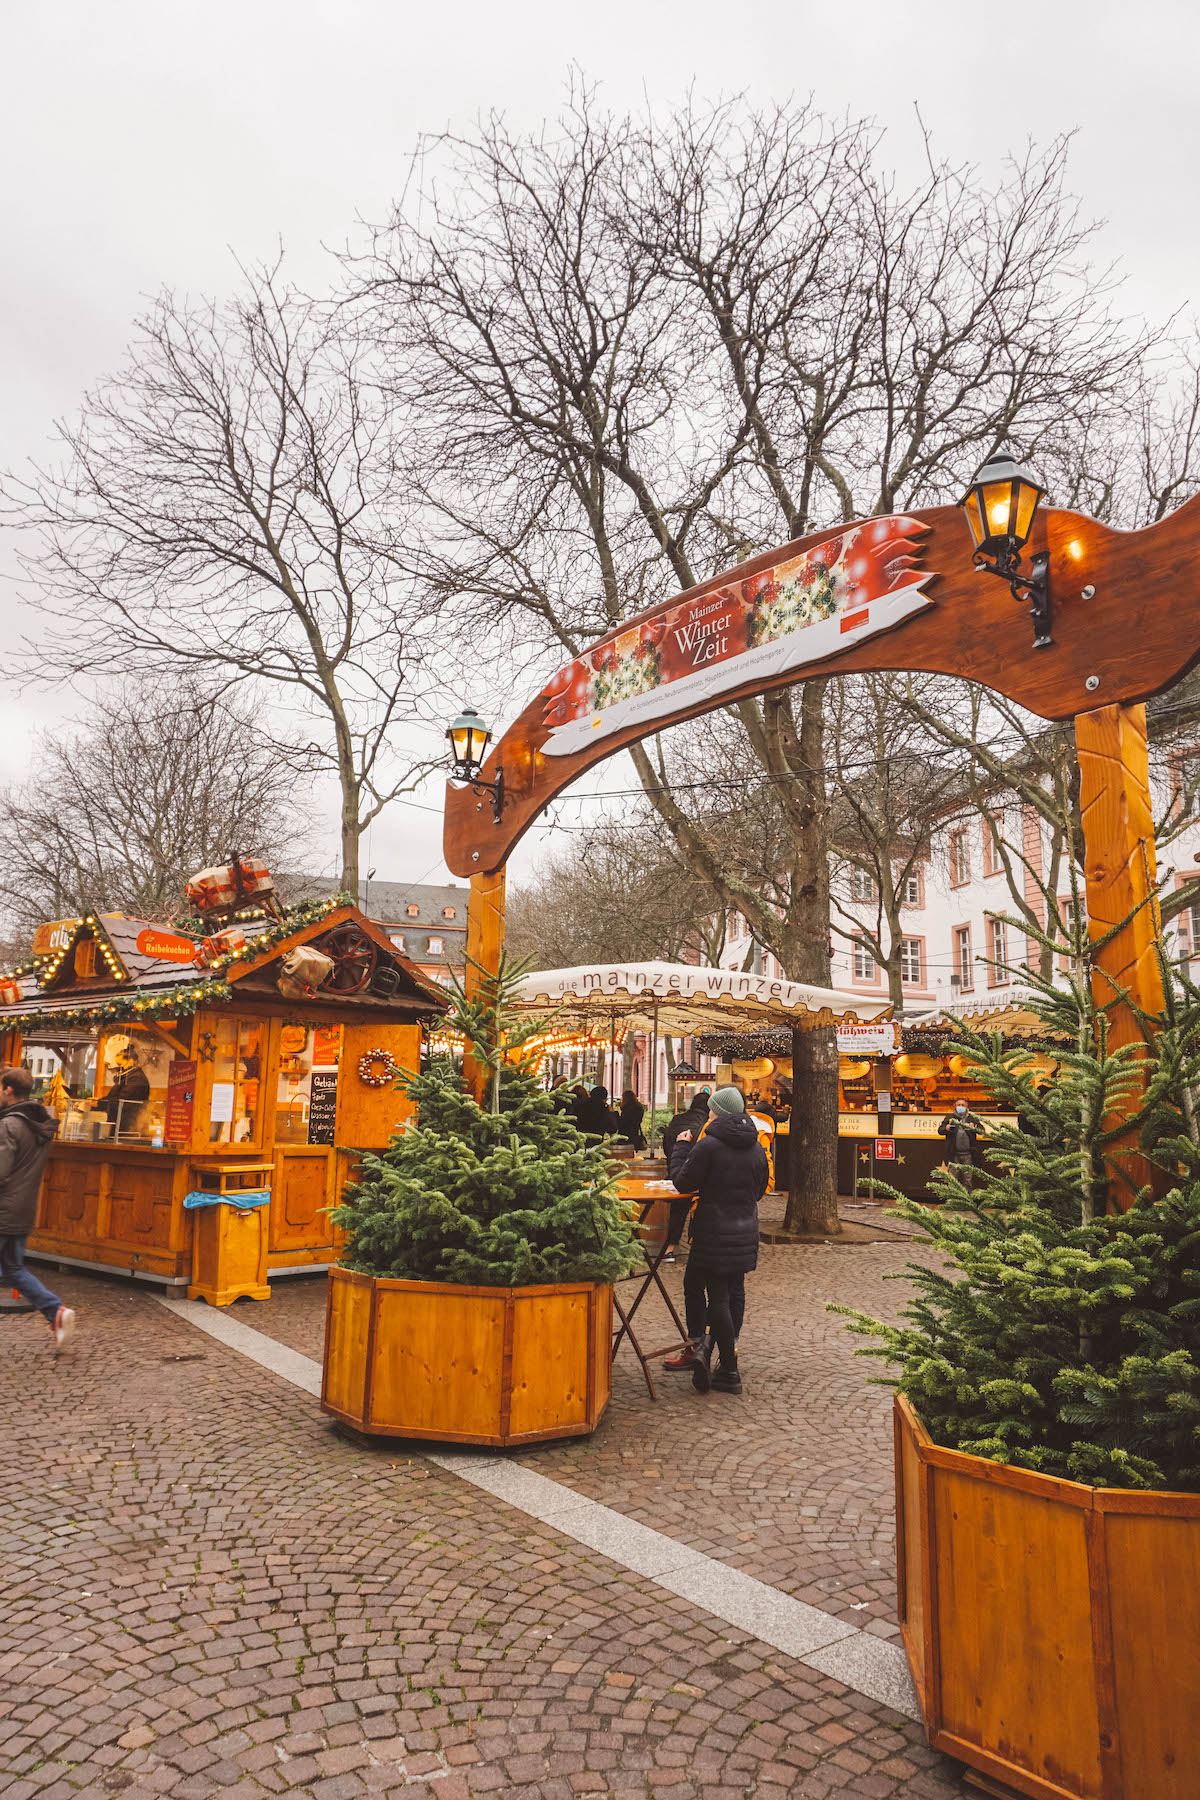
(230, 1241)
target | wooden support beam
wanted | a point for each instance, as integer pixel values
(1119, 868)
(485, 942)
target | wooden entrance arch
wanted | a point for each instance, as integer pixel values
(879, 594)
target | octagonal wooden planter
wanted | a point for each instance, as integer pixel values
(1053, 1629)
(466, 1365)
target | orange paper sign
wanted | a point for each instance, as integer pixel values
(165, 946)
(55, 934)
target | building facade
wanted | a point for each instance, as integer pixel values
(957, 908)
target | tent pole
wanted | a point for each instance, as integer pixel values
(653, 1069)
(612, 1054)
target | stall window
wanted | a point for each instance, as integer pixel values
(864, 962)
(236, 1109)
(910, 961)
(963, 957)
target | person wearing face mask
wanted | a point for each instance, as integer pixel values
(961, 1130)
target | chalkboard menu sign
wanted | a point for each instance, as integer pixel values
(322, 1107)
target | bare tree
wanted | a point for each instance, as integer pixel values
(226, 504)
(621, 892)
(158, 784)
(640, 351)
(887, 794)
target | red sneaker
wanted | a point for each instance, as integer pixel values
(683, 1359)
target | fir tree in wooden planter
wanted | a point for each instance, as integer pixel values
(1048, 1423)
(473, 1302)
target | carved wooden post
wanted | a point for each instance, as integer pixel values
(1119, 867)
(485, 941)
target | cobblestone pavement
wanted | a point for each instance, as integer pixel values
(791, 1483)
(209, 1593)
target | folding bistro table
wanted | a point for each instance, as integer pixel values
(646, 1193)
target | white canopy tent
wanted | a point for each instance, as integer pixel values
(685, 1001)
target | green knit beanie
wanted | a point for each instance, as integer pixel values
(727, 1100)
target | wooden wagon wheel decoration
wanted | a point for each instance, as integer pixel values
(354, 957)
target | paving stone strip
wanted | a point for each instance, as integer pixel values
(868, 1664)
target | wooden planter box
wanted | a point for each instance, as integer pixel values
(466, 1365)
(1053, 1629)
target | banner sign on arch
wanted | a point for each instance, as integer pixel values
(779, 621)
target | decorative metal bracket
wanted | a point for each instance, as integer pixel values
(491, 790)
(1034, 587)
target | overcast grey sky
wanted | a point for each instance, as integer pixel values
(146, 144)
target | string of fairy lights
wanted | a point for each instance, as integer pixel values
(180, 998)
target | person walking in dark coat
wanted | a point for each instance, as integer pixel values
(629, 1125)
(26, 1133)
(961, 1131)
(726, 1169)
(597, 1118)
(692, 1119)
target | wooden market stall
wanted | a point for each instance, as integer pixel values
(257, 1067)
(890, 1100)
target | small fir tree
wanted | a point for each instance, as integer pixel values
(503, 1195)
(1057, 1336)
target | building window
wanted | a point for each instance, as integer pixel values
(964, 962)
(1193, 916)
(992, 863)
(862, 887)
(998, 952)
(435, 946)
(447, 912)
(960, 858)
(414, 912)
(398, 941)
(864, 962)
(910, 961)
(910, 889)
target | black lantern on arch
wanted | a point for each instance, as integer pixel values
(1000, 505)
(469, 738)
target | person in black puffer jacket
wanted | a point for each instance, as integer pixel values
(726, 1169)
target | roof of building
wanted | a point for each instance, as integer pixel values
(389, 901)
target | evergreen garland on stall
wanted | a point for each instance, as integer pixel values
(508, 1194)
(1054, 1336)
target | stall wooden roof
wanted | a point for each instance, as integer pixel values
(130, 966)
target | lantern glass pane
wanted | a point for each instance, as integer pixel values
(459, 738)
(974, 517)
(1027, 498)
(998, 500)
